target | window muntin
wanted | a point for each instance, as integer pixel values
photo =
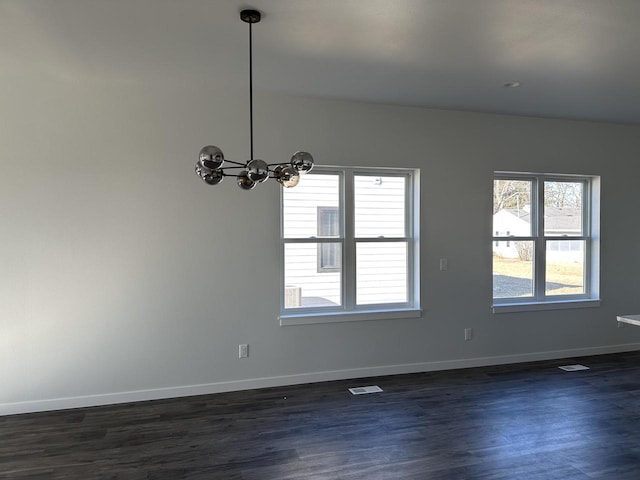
(366, 252)
(543, 239)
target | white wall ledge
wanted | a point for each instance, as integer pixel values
(544, 306)
(356, 316)
(630, 319)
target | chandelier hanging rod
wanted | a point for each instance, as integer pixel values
(250, 17)
(211, 167)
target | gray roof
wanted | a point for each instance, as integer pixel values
(559, 219)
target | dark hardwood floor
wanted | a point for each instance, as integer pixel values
(525, 421)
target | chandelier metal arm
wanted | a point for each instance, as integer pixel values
(234, 168)
(278, 164)
(235, 163)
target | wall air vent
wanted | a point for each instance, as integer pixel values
(573, 368)
(363, 390)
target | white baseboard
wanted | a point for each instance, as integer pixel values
(278, 381)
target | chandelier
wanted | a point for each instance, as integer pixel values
(212, 167)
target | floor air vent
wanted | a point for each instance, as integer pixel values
(573, 368)
(363, 390)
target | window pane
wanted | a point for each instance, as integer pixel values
(379, 206)
(329, 259)
(381, 273)
(302, 204)
(513, 269)
(565, 267)
(563, 208)
(304, 284)
(328, 222)
(512, 208)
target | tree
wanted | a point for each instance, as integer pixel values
(515, 194)
(563, 194)
(511, 194)
(525, 250)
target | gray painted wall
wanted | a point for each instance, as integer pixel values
(125, 277)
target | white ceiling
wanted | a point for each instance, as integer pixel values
(574, 58)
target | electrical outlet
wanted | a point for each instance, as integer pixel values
(243, 350)
(443, 264)
(468, 334)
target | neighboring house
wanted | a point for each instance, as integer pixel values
(557, 222)
(510, 222)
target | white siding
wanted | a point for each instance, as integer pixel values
(379, 206)
(381, 273)
(301, 264)
(300, 205)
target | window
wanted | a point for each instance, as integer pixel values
(328, 226)
(349, 246)
(545, 247)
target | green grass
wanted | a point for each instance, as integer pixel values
(569, 274)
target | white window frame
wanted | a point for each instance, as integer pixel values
(591, 235)
(349, 310)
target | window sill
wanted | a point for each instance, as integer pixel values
(333, 317)
(541, 306)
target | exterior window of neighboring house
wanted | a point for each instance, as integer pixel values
(328, 226)
(546, 247)
(349, 244)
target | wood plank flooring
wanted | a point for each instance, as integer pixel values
(526, 421)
